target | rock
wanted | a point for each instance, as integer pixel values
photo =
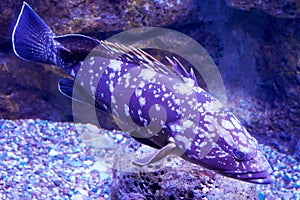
(78, 16)
(279, 82)
(284, 9)
(53, 152)
(28, 90)
(172, 178)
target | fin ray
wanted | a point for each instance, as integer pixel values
(137, 56)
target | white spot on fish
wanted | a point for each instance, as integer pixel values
(111, 75)
(208, 118)
(111, 86)
(212, 106)
(157, 107)
(92, 62)
(113, 99)
(142, 84)
(183, 88)
(187, 124)
(138, 92)
(93, 90)
(126, 110)
(127, 77)
(185, 140)
(209, 127)
(227, 124)
(235, 123)
(139, 112)
(147, 74)
(72, 73)
(142, 101)
(115, 65)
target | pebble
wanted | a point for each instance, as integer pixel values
(83, 192)
(88, 162)
(104, 176)
(261, 196)
(119, 137)
(53, 152)
(297, 184)
(76, 163)
(281, 165)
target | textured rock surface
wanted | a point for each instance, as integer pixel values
(174, 178)
(285, 9)
(28, 90)
(100, 15)
(270, 107)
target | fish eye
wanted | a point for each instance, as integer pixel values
(238, 154)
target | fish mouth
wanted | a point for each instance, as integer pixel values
(261, 177)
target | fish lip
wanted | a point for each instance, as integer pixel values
(267, 180)
(261, 177)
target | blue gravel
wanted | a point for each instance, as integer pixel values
(48, 160)
(287, 176)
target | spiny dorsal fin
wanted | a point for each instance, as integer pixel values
(138, 56)
(178, 67)
(193, 76)
(181, 71)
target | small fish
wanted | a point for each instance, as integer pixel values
(161, 106)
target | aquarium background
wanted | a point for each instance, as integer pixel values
(256, 46)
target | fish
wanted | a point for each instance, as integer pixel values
(160, 105)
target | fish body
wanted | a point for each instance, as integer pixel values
(161, 106)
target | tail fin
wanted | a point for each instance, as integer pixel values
(32, 39)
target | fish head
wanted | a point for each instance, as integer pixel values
(230, 150)
(244, 162)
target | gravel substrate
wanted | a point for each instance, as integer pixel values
(47, 160)
(50, 160)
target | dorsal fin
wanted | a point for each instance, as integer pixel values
(193, 76)
(138, 56)
(178, 67)
(181, 71)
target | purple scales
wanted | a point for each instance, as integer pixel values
(160, 106)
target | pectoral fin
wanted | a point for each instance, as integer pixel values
(158, 155)
(67, 88)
